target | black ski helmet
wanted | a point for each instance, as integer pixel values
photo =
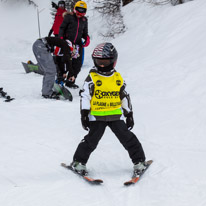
(62, 2)
(105, 57)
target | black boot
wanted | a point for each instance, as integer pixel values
(71, 84)
(54, 95)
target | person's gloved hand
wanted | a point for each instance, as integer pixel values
(129, 120)
(59, 79)
(72, 78)
(87, 42)
(54, 5)
(64, 75)
(85, 119)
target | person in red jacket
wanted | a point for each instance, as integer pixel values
(58, 17)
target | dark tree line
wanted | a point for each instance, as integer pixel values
(158, 2)
(70, 4)
(125, 2)
(111, 11)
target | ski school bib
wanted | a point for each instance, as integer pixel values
(106, 98)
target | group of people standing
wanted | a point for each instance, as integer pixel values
(104, 99)
(70, 30)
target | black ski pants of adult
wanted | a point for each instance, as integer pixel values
(76, 64)
(97, 129)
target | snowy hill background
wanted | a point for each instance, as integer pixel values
(162, 57)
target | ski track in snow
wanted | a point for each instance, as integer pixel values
(165, 73)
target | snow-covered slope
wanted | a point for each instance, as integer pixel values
(162, 59)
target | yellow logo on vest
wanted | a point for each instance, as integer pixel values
(106, 97)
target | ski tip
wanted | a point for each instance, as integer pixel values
(93, 181)
(98, 181)
(63, 165)
(9, 100)
(132, 181)
(128, 183)
(149, 162)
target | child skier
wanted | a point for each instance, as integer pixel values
(105, 102)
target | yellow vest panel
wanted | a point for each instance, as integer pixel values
(106, 98)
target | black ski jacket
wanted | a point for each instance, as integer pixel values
(74, 28)
(53, 42)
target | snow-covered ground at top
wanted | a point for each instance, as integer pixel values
(162, 57)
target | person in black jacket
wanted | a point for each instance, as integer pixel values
(75, 28)
(42, 49)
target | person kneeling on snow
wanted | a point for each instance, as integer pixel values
(105, 102)
(43, 50)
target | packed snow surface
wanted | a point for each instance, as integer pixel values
(162, 57)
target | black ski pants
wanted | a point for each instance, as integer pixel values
(76, 65)
(126, 138)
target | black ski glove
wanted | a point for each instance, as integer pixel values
(54, 5)
(85, 119)
(59, 79)
(129, 120)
